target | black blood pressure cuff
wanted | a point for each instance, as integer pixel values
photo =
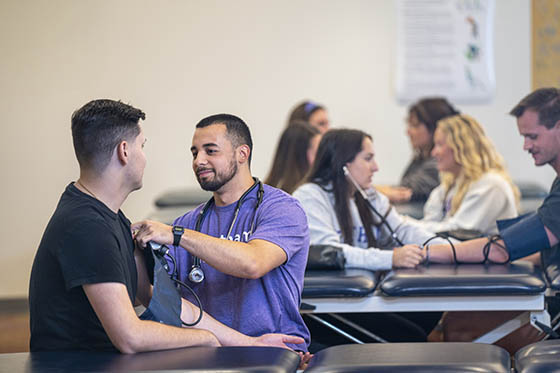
(523, 235)
(165, 305)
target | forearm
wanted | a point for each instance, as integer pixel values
(245, 260)
(225, 335)
(231, 257)
(468, 252)
(128, 333)
(151, 335)
(372, 259)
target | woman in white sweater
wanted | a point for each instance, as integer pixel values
(339, 215)
(475, 188)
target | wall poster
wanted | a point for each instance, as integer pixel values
(445, 48)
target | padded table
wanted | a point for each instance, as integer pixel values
(540, 357)
(519, 278)
(346, 283)
(193, 359)
(411, 357)
(517, 286)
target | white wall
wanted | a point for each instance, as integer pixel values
(182, 60)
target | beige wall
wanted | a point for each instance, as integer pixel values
(182, 60)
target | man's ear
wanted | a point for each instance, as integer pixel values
(243, 152)
(122, 152)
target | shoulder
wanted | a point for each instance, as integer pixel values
(275, 196)
(379, 199)
(279, 208)
(492, 180)
(438, 192)
(553, 197)
(83, 215)
(555, 189)
(312, 195)
(309, 190)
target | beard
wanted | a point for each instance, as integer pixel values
(220, 178)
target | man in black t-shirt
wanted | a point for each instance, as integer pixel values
(87, 275)
(538, 121)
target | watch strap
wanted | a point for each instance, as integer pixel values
(177, 234)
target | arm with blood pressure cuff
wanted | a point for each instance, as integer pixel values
(517, 238)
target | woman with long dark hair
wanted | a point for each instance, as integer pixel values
(344, 210)
(294, 156)
(339, 215)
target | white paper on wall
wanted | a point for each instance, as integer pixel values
(445, 48)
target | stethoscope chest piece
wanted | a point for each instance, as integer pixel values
(196, 274)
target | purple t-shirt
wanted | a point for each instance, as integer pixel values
(269, 304)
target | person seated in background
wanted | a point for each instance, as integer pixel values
(532, 236)
(421, 175)
(476, 189)
(370, 233)
(538, 121)
(294, 156)
(87, 274)
(312, 113)
(339, 215)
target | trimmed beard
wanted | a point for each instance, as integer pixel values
(220, 179)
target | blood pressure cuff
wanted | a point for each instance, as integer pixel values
(325, 257)
(523, 235)
(165, 305)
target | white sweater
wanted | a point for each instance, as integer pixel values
(488, 199)
(324, 228)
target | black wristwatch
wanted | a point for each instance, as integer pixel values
(177, 234)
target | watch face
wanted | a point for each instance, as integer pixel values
(177, 229)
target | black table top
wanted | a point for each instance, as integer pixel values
(197, 359)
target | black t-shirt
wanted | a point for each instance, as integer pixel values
(84, 243)
(549, 212)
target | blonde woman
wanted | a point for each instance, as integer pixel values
(476, 189)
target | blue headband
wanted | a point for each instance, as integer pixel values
(309, 107)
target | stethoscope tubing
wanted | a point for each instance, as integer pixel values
(196, 274)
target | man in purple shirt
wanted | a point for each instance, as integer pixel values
(252, 241)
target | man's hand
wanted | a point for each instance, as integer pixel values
(305, 358)
(280, 340)
(407, 256)
(396, 194)
(276, 340)
(147, 230)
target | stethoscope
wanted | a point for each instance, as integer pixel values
(196, 273)
(373, 209)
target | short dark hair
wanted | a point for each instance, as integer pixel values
(99, 126)
(237, 130)
(544, 101)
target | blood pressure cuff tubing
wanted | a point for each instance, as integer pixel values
(523, 235)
